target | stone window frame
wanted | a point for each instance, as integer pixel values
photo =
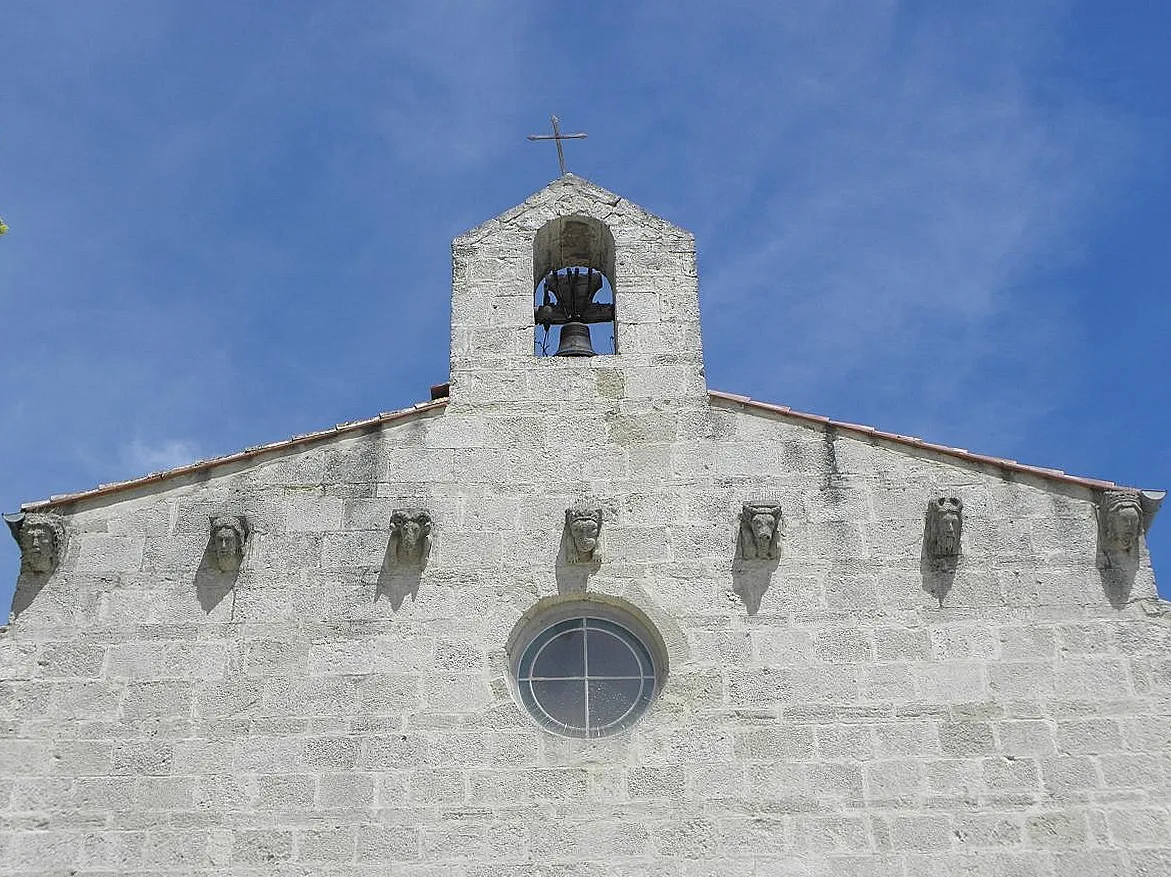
(552, 612)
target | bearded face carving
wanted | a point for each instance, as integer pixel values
(760, 531)
(38, 545)
(945, 525)
(410, 535)
(41, 538)
(584, 529)
(1120, 521)
(228, 535)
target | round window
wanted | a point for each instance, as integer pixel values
(586, 676)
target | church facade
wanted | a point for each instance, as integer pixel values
(581, 616)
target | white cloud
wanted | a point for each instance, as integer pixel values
(900, 182)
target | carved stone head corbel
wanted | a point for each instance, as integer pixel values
(228, 535)
(583, 531)
(41, 537)
(941, 537)
(760, 531)
(410, 535)
(1120, 522)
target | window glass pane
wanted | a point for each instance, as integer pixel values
(561, 656)
(611, 700)
(610, 655)
(561, 701)
(586, 677)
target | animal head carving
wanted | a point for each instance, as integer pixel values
(584, 529)
(760, 531)
(410, 535)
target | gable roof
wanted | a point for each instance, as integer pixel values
(1153, 497)
(567, 186)
(247, 454)
(962, 454)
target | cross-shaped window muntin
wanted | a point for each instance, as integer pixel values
(586, 677)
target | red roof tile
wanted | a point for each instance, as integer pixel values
(436, 404)
(915, 442)
(246, 454)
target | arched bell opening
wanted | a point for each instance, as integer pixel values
(573, 280)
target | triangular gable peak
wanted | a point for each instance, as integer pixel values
(566, 195)
(644, 324)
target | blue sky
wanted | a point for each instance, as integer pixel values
(230, 222)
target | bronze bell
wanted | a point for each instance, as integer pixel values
(575, 340)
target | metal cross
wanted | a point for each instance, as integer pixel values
(557, 136)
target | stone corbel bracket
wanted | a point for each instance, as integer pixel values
(761, 527)
(41, 537)
(1123, 517)
(583, 533)
(410, 536)
(229, 533)
(942, 533)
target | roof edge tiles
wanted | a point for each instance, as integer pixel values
(1155, 496)
(247, 454)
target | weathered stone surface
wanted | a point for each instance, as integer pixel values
(228, 534)
(41, 538)
(583, 531)
(943, 532)
(760, 531)
(333, 712)
(410, 537)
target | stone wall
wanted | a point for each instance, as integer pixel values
(316, 718)
(840, 710)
